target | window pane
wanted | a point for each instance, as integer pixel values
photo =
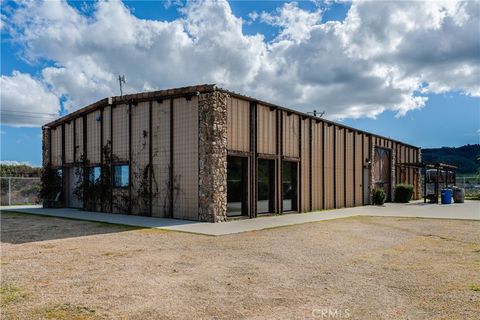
(121, 176)
(94, 175)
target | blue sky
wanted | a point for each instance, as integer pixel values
(304, 55)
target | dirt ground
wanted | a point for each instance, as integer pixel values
(356, 268)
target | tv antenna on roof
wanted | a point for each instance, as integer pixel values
(317, 114)
(121, 79)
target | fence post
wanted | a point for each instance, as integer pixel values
(9, 191)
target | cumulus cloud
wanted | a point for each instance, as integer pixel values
(384, 56)
(26, 101)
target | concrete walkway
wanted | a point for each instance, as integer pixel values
(470, 210)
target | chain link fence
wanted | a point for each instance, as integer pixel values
(19, 190)
(470, 184)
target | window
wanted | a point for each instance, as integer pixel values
(236, 186)
(94, 174)
(59, 173)
(121, 176)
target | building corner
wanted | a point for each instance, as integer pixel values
(212, 156)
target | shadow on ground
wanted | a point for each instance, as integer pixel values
(18, 228)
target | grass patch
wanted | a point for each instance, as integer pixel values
(69, 311)
(475, 287)
(10, 294)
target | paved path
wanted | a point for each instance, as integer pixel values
(469, 210)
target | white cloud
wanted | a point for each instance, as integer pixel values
(384, 56)
(26, 101)
(294, 22)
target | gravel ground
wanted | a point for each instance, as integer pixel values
(357, 268)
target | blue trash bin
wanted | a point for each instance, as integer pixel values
(446, 196)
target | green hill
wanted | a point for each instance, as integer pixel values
(465, 157)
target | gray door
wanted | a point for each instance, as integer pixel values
(73, 180)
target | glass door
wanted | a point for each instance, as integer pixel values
(236, 186)
(265, 186)
(289, 185)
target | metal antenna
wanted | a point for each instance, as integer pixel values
(121, 79)
(316, 114)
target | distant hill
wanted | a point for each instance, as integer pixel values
(465, 157)
(19, 170)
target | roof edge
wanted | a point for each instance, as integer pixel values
(131, 98)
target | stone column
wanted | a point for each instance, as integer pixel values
(212, 155)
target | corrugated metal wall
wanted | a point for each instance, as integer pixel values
(238, 122)
(358, 169)
(57, 146)
(266, 130)
(185, 157)
(161, 157)
(305, 166)
(69, 142)
(339, 167)
(78, 139)
(329, 166)
(291, 134)
(93, 137)
(349, 162)
(317, 165)
(140, 158)
(106, 125)
(120, 132)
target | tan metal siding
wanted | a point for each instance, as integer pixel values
(238, 125)
(78, 139)
(161, 157)
(185, 157)
(349, 187)
(305, 166)
(140, 157)
(93, 137)
(317, 166)
(329, 169)
(266, 130)
(120, 132)
(291, 132)
(339, 167)
(57, 146)
(106, 125)
(68, 142)
(358, 169)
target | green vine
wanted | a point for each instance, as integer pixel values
(51, 183)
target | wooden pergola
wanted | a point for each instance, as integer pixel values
(439, 167)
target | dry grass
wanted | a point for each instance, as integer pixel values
(368, 268)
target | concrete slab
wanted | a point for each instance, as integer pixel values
(470, 210)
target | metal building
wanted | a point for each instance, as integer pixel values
(205, 153)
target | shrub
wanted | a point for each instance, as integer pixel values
(403, 193)
(378, 196)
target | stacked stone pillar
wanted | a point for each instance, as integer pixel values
(212, 149)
